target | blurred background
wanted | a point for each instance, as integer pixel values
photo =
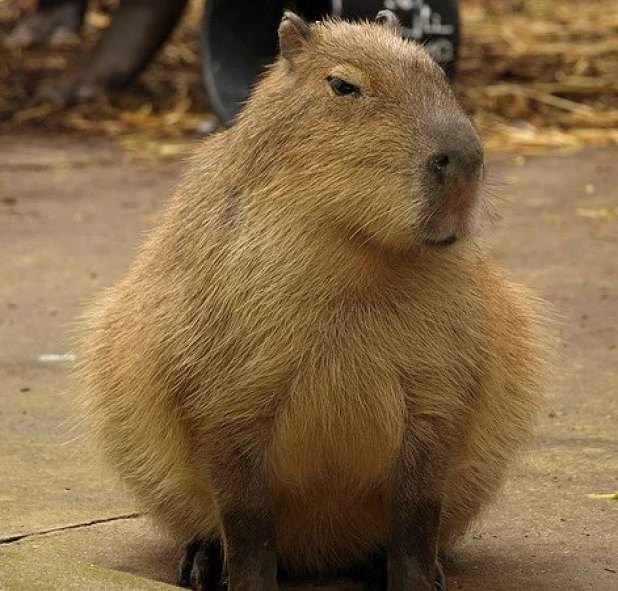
(535, 74)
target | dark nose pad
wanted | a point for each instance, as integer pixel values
(466, 162)
(458, 151)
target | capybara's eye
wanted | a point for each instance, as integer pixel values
(342, 88)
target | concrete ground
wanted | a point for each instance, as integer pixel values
(71, 215)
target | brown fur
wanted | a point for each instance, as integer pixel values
(285, 327)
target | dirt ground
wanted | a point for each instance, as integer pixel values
(71, 214)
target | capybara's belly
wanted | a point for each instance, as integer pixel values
(331, 466)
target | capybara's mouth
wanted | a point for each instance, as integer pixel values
(445, 242)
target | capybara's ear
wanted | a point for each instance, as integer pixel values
(293, 35)
(389, 19)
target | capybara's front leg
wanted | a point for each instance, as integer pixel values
(250, 550)
(412, 557)
(245, 513)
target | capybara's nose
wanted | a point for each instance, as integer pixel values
(459, 155)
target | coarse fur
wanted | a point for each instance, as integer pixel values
(288, 317)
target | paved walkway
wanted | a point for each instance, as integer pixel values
(71, 215)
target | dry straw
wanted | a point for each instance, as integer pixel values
(536, 75)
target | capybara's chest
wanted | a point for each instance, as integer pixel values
(340, 424)
(342, 421)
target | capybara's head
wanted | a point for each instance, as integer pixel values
(364, 129)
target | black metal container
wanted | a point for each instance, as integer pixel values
(239, 37)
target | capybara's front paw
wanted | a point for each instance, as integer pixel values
(201, 566)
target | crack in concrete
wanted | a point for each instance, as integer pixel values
(18, 537)
(52, 166)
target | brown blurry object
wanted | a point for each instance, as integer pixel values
(535, 76)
